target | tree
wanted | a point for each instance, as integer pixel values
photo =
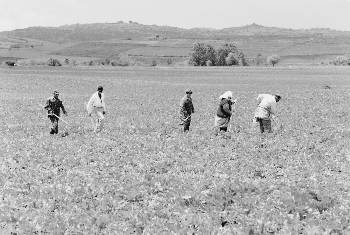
(53, 62)
(231, 59)
(273, 60)
(210, 54)
(197, 57)
(236, 57)
(201, 53)
(209, 63)
(259, 59)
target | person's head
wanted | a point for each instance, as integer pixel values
(188, 93)
(56, 94)
(227, 95)
(277, 98)
(100, 89)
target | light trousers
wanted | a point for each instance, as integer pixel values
(97, 118)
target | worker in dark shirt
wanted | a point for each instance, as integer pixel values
(54, 106)
(186, 110)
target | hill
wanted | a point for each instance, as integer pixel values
(152, 42)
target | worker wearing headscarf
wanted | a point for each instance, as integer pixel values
(186, 110)
(96, 108)
(224, 112)
(266, 110)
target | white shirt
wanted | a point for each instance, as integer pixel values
(267, 102)
(96, 102)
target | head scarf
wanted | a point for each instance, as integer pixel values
(226, 95)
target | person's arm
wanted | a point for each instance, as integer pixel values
(259, 99)
(226, 109)
(103, 104)
(192, 107)
(48, 107)
(89, 106)
(273, 108)
(47, 104)
(63, 109)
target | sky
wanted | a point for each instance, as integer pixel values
(296, 14)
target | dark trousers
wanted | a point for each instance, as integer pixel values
(54, 125)
(223, 129)
(187, 126)
(265, 125)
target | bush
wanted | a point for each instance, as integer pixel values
(53, 62)
(120, 63)
(341, 60)
(154, 63)
(10, 63)
(209, 63)
(273, 60)
(259, 60)
(169, 61)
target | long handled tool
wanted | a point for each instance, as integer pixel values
(234, 108)
(52, 114)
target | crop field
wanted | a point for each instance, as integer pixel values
(142, 175)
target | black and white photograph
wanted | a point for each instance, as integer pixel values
(175, 117)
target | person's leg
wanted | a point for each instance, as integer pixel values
(187, 126)
(223, 129)
(100, 118)
(56, 125)
(268, 126)
(261, 124)
(52, 130)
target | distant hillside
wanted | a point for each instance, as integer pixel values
(152, 42)
(122, 30)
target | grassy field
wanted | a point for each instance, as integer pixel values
(142, 175)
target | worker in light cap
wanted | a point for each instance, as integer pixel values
(53, 106)
(96, 108)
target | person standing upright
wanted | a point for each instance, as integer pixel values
(266, 110)
(53, 107)
(224, 112)
(96, 108)
(186, 110)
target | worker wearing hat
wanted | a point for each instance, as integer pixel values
(54, 106)
(186, 110)
(96, 108)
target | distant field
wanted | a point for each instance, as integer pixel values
(142, 175)
(293, 50)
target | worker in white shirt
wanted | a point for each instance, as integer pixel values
(266, 110)
(96, 108)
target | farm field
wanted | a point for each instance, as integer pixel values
(142, 175)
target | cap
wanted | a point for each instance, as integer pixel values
(100, 88)
(188, 91)
(278, 97)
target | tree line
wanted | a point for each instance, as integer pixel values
(227, 55)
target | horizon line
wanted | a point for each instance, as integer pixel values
(185, 28)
